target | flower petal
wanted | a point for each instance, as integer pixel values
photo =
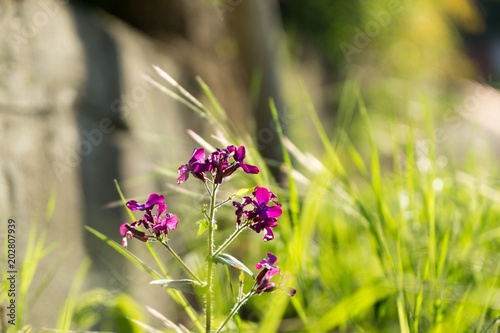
(162, 208)
(134, 205)
(271, 258)
(137, 233)
(249, 168)
(123, 229)
(183, 174)
(232, 150)
(154, 199)
(273, 271)
(274, 211)
(268, 234)
(198, 155)
(171, 221)
(266, 287)
(199, 168)
(239, 153)
(261, 194)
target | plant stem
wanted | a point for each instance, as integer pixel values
(235, 310)
(208, 189)
(223, 202)
(182, 263)
(210, 263)
(230, 239)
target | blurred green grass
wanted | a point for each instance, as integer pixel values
(398, 242)
(407, 246)
(404, 240)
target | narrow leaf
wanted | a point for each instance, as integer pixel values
(226, 259)
(185, 285)
(203, 225)
(128, 255)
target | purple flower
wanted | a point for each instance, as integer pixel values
(269, 269)
(169, 221)
(261, 216)
(268, 262)
(157, 223)
(196, 166)
(239, 156)
(219, 164)
(223, 168)
(128, 230)
(154, 199)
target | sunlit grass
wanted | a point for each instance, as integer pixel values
(37, 250)
(373, 241)
(399, 242)
(394, 247)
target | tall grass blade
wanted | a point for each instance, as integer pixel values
(177, 296)
(292, 186)
(66, 315)
(351, 306)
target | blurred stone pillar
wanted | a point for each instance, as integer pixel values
(42, 72)
(100, 127)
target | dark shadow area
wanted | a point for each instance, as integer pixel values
(98, 124)
(483, 47)
(156, 18)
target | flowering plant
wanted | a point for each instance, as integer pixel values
(259, 212)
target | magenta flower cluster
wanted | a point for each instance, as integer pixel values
(220, 164)
(157, 224)
(269, 269)
(259, 212)
(261, 215)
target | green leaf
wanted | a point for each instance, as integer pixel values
(226, 259)
(243, 191)
(203, 226)
(185, 285)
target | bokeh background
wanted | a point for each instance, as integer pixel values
(77, 112)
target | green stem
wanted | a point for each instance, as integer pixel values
(222, 203)
(210, 263)
(208, 189)
(230, 239)
(235, 310)
(182, 263)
